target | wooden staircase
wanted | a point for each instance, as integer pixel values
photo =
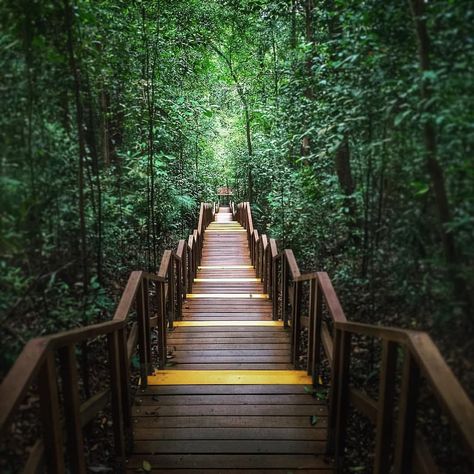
(230, 399)
(230, 339)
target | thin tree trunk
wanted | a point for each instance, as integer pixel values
(248, 119)
(309, 91)
(81, 140)
(293, 24)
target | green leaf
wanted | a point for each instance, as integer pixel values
(401, 117)
(146, 466)
(313, 420)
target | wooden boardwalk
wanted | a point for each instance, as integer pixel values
(230, 400)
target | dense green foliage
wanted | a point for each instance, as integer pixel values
(118, 118)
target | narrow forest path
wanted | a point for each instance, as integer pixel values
(231, 400)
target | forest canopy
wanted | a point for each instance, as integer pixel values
(348, 124)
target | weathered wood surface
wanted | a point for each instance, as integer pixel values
(222, 428)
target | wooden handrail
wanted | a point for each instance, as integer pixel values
(36, 363)
(282, 280)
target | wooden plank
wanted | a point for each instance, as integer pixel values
(228, 399)
(229, 446)
(246, 461)
(310, 433)
(232, 471)
(222, 389)
(227, 421)
(233, 359)
(229, 339)
(228, 345)
(242, 352)
(230, 333)
(231, 410)
(232, 366)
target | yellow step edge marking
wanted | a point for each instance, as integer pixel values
(227, 323)
(223, 280)
(261, 296)
(225, 229)
(224, 267)
(229, 377)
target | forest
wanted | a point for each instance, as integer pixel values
(347, 124)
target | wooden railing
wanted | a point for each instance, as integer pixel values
(310, 301)
(36, 369)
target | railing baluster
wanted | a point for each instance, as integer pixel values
(274, 287)
(266, 287)
(333, 397)
(406, 416)
(50, 412)
(124, 382)
(384, 429)
(161, 325)
(146, 300)
(143, 342)
(171, 291)
(179, 289)
(311, 328)
(117, 401)
(296, 322)
(72, 405)
(284, 289)
(189, 262)
(342, 398)
(184, 274)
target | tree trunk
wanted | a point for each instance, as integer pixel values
(81, 140)
(309, 91)
(247, 117)
(433, 166)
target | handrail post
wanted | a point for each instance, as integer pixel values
(171, 291)
(179, 288)
(50, 416)
(284, 289)
(296, 321)
(189, 262)
(184, 273)
(161, 325)
(342, 397)
(274, 287)
(332, 410)
(143, 341)
(117, 400)
(339, 401)
(384, 428)
(125, 378)
(72, 406)
(404, 443)
(318, 322)
(266, 272)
